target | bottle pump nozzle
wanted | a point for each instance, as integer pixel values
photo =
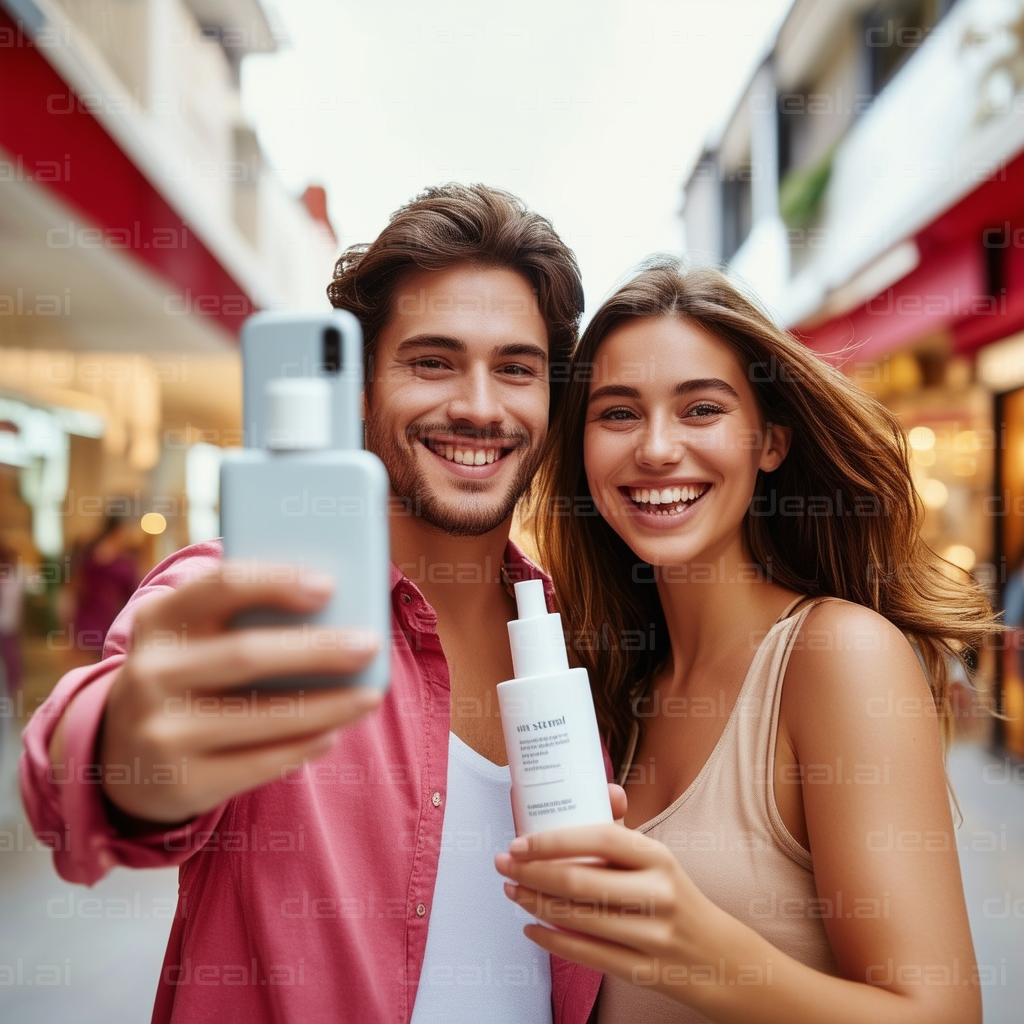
(538, 646)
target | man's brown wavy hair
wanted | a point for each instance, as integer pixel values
(846, 448)
(454, 224)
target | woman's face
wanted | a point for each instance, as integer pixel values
(673, 441)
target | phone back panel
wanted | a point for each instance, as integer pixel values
(293, 345)
(325, 510)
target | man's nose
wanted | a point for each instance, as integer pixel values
(477, 399)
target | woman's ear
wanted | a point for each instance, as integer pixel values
(776, 447)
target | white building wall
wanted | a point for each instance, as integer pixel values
(176, 112)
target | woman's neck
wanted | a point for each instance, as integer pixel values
(713, 606)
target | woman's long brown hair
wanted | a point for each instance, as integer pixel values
(839, 517)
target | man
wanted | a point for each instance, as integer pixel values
(360, 886)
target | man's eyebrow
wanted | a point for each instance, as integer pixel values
(685, 388)
(521, 348)
(433, 341)
(441, 341)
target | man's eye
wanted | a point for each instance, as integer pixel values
(428, 364)
(517, 370)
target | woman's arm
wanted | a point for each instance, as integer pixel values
(880, 831)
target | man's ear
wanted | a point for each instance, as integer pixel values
(777, 442)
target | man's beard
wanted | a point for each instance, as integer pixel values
(455, 519)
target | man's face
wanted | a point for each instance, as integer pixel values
(458, 409)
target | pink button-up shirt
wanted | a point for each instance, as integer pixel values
(307, 899)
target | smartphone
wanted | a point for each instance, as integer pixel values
(327, 345)
(307, 494)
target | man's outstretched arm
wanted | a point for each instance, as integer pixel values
(163, 731)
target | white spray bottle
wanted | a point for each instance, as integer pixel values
(550, 728)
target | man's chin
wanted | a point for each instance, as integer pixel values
(464, 518)
(460, 506)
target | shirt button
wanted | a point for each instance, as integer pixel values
(406, 598)
(421, 909)
(436, 799)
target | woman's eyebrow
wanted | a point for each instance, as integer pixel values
(684, 388)
(613, 391)
(706, 384)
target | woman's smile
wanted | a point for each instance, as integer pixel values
(662, 501)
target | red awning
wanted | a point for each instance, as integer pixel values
(57, 143)
(974, 246)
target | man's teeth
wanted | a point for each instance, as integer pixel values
(467, 456)
(667, 495)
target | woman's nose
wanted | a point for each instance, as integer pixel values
(660, 444)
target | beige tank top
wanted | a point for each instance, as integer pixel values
(726, 832)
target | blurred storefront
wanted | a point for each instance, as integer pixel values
(943, 347)
(870, 186)
(139, 225)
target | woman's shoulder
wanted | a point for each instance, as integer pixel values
(846, 657)
(851, 626)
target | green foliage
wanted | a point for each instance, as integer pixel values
(802, 191)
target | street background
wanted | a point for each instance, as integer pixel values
(168, 167)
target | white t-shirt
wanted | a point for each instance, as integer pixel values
(478, 965)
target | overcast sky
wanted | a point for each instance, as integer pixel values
(591, 111)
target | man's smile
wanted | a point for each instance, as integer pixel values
(467, 451)
(476, 458)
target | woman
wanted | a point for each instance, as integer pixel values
(104, 575)
(768, 640)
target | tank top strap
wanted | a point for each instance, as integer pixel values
(758, 732)
(761, 689)
(793, 606)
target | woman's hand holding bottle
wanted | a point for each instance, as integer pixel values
(638, 916)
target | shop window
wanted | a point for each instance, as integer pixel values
(737, 209)
(202, 489)
(1007, 506)
(954, 445)
(893, 31)
(245, 188)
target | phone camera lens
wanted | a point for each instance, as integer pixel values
(332, 350)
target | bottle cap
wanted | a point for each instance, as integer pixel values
(298, 413)
(531, 601)
(538, 646)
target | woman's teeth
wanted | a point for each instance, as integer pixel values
(667, 495)
(467, 456)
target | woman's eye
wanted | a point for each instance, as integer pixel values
(618, 414)
(702, 410)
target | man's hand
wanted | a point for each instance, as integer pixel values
(181, 731)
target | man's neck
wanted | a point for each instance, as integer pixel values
(451, 572)
(461, 578)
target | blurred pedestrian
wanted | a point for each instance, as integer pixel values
(1013, 618)
(12, 587)
(103, 576)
